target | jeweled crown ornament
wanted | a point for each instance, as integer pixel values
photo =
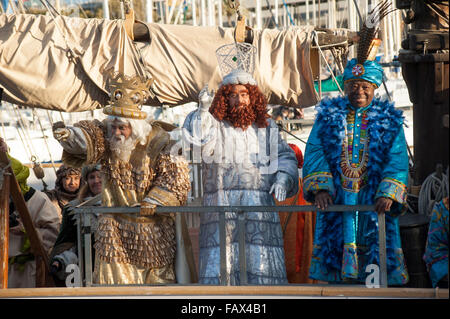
(127, 95)
(364, 66)
(236, 56)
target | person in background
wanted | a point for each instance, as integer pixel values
(436, 250)
(22, 265)
(65, 250)
(298, 232)
(66, 188)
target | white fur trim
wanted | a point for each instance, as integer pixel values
(239, 77)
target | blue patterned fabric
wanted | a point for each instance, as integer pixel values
(356, 155)
(370, 71)
(436, 251)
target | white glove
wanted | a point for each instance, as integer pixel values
(279, 191)
(205, 99)
(61, 134)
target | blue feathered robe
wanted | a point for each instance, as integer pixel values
(357, 155)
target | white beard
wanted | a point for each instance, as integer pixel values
(122, 148)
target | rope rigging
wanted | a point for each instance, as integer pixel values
(45, 138)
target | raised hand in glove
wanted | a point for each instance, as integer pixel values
(60, 132)
(279, 191)
(205, 99)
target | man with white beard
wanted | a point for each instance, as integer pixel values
(137, 169)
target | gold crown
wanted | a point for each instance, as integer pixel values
(128, 94)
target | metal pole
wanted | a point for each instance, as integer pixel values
(382, 250)
(105, 9)
(203, 12)
(314, 12)
(80, 249)
(222, 209)
(276, 11)
(258, 15)
(149, 11)
(194, 12)
(242, 254)
(307, 12)
(219, 12)
(318, 14)
(211, 20)
(223, 252)
(87, 249)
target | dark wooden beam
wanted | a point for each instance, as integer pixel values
(4, 231)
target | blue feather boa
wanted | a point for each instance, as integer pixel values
(384, 122)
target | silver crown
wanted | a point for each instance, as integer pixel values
(236, 56)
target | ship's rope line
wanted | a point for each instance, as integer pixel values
(62, 118)
(13, 6)
(3, 125)
(27, 151)
(271, 15)
(21, 6)
(316, 39)
(50, 118)
(45, 138)
(25, 130)
(288, 12)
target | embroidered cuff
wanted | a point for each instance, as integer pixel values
(392, 189)
(315, 182)
(162, 197)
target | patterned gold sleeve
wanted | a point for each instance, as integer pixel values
(171, 185)
(94, 135)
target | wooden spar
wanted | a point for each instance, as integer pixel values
(43, 278)
(326, 291)
(4, 231)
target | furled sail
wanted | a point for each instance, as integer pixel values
(61, 64)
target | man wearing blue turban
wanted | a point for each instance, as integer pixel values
(357, 155)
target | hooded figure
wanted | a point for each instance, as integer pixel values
(65, 250)
(45, 218)
(67, 185)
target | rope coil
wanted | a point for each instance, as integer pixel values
(433, 190)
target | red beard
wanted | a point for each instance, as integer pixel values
(242, 117)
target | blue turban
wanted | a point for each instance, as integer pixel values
(370, 71)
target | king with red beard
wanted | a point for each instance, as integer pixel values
(244, 161)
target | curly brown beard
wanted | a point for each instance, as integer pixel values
(243, 117)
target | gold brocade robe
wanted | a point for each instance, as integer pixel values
(133, 249)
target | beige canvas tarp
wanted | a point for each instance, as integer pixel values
(61, 64)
